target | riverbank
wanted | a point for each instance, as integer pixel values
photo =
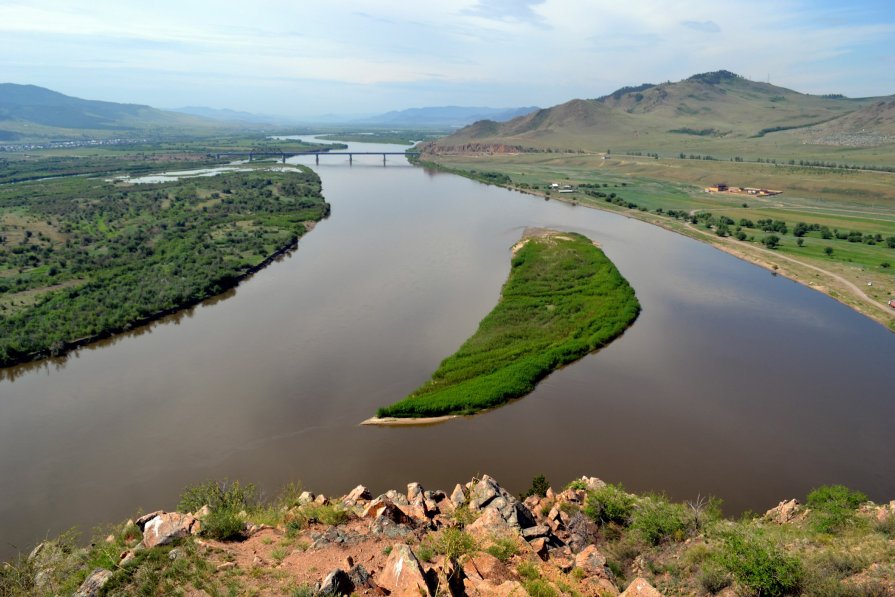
(842, 281)
(587, 538)
(562, 300)
(158, 249)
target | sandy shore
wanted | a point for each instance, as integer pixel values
(407, 421)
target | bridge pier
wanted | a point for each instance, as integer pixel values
(350, 158)
(383, 159)
(284, 157)
(251, 156)
(317, 158)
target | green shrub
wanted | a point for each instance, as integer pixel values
(578, 485)
(222, 495)
(453, 543)
(656, 519)
(833, 507)
(528, 571)
(886, 526)
(539, 588)
(713, 577)
(224, 524)
(610, 503)
(503, 549)
(539, 486)
(759, 565)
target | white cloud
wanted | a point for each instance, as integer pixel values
(523, 51)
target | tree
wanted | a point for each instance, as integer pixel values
(828, 251)
(800, 241)
(772, 241)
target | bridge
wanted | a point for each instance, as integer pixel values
(251, 155)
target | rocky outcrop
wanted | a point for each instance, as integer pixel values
(165, 527)
(640, 588)
(402, 575)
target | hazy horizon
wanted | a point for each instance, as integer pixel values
(299, 60)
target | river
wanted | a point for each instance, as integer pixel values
(732, 382)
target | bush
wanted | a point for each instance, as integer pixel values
(216, 495)
(759, 565)
(656, 519)
(539, 486)
(610, 503)
(713, 578)
(539, 588)
(224, 524)
(454, 542)
(503, 549)
(833, 507)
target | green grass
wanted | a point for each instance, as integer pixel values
(563, 300)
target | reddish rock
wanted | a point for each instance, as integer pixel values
(784, 512)
(540, 547)
(592, 562)
(402, 574)
(93, 584)
(166, 527)
(484, 566)
(488, 525)
(385, 508)
(358, 493)
(641, 588)
(458, 498)
(486, 588)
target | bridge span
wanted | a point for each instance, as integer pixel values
(251, 155)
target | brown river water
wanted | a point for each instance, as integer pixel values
(732, 382)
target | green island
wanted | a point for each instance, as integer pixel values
(563, 299)
(84, 257)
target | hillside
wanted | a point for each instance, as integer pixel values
(28, 112)
(586, 539)
(444, 116)
(718, 110)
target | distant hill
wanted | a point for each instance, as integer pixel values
(238, 116)
(444, 116)
(29, 111)
(715, 109)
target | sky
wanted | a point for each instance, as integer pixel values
(305, 58)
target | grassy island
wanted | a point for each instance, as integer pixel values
(82, 258)
(563, 300)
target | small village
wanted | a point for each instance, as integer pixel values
(756, 192)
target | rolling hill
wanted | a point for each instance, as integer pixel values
(718, 111)
(444, 116)
(31, 112)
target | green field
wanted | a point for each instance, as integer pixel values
(563, 300)
(84, 257)
(851, 214)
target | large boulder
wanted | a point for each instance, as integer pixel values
(592, 563)
(402, 575)
(335, 583)
(358, 493)
(93, 584)
(166, 527)
(383, 507)
(486, 494)
(640, 588)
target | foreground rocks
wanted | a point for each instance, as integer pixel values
(477, 540)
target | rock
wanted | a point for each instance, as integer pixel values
(592, 562)
(360, 577)
(203, 512)
(397, 497)
(306, 497)
(540, 547)
(592, 483)
(387, 528)
(784, 512)
(415, 493)
(581, 532)
(358, 493)
(457, 496)
(489, 524)
(94, 583)
(484, 566)
(562, 561)
(257, 562)
(125, 557)
(535, 532)
(167, 527)
(510, 588)
(226, 566)
(321, 500)
(598, 587)
(173, 554)
(336, 582)
(402, 574)
(431, 507)
(640, 588)
(141, 522)
(483, 492)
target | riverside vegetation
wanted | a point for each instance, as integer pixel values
(563, 299)
(84, 257)
(588, 539)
